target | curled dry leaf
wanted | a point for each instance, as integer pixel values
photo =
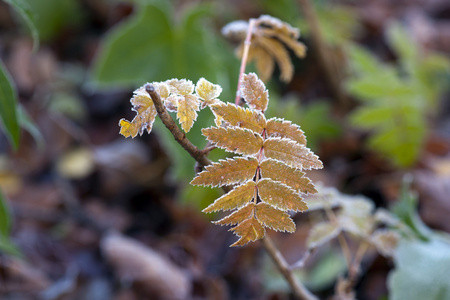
(270, 39)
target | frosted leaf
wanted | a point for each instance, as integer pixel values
(207, 91)
(182, 87)
(238, 216)
(187, 111)
(146, 114)
(236, 198)
(275, 24)
(171, 102)
(250, 230)
(240, 117)
(234, 139)
(274, 218)
(385, 241)
(292, 177)
(254, 92)
(236, 30)
(291, 153)
(280, 54)
(280, 195)
(227, 172)
(276, 127)
(321, 233)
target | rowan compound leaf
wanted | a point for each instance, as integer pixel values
(291, 153)
(292, 177)
(236, 198)
(187, 111)
(207, 91)
(280, 195)
(240, 117)
(273, 218)
(322, 233)
(280, 128)
(146, 114)
(227, 172)
(254, 92)
(250, 230)
(234, 139)
(238, 216)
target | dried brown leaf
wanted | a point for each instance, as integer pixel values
(292, 153)
(265, 63)
(292, 177)
(240, 117)
(250, 230)
(279, 53)
(321, 233)
(238, 216)
(227, 172)
(187, 111)
(254, 92)
(296, 46)
(236, 198)
(234, 139)
(274, 218)
(276, 127)
(280, 195)
(146, 114)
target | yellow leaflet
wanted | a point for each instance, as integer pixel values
(265, 63)
(227, 172)
(234, 139)
(274, 218)
(146, 114)
(187, 108)
(181, 87)
(207, 91)
(277, 50)
(254, 92)
(292, 177)
(250, 230)
(280, 128)
(240, 117)
(236, 198)
(238, 216)
(291, 153)
(280, 195)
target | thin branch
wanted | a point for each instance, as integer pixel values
(301, 262)
(178, 135)
(247, 43)
(300, 291)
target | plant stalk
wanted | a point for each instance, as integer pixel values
(247, 43)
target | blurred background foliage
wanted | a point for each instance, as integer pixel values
(69, 68)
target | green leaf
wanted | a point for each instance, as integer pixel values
(27, 14)
(403, 44)
(8, 107)
(5, 217)
(27, 123)
(421, 271)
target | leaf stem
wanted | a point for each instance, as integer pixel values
(247, 43)
(178, 135)
(300, 291)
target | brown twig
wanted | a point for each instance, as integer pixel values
(300, 291)
(247, 43)
(178, 135)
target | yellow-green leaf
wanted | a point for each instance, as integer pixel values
(146, 114)
(250, 230)
(254, 92)
(187, 111)
(280, 128)
(291, 153)
(292, 177)
(280, 195)
(207, 91)
(236, 198)
(234, 139)
(227, 172)
(240, 117)
(238, 216)
(274, 218)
